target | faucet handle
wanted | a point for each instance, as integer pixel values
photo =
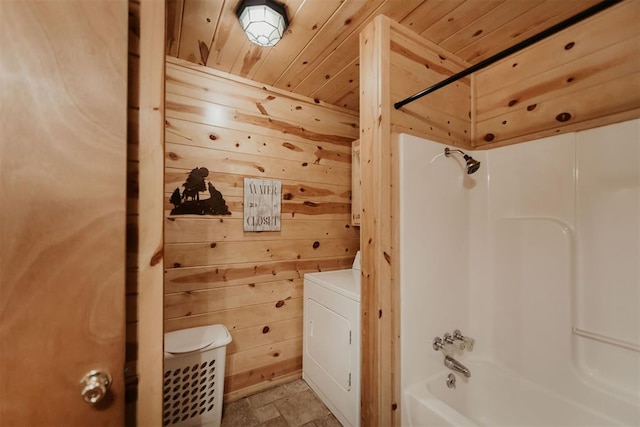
(459, 345)
(468, 341)
(440, 345)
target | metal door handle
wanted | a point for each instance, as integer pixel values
(96, 384)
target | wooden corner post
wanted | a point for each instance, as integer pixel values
(379, 401)
(150, 209)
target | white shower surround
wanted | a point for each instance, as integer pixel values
(544, 238)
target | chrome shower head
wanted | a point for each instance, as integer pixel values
(472, 164)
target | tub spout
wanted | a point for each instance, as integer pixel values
(456, 366)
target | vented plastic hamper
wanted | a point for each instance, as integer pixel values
(193, 380)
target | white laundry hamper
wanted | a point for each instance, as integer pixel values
(193, 380)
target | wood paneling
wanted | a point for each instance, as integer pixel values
(187, 157)
(512, 29)
(318, 56)
(567, 82)
(230, 140)
(207, 300)
(252, 282)
(252, 381)
(265, 355)
(226, 252)
(189, 229)
(241, 317)
(144, 214)
(444, 115)
(262, 335)
(200, 18)
(179, 279)
(335, 60)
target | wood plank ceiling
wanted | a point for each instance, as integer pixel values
(318, 56)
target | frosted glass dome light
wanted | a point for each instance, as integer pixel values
(264, 21)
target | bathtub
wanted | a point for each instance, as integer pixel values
(494, 397)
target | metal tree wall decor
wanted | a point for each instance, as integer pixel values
(189, 203)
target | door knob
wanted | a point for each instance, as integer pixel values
(95, 386)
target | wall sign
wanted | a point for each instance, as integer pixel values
(262, 204)
(189, 202)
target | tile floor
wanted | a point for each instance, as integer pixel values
(292, 404)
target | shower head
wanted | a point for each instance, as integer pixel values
(472, 164)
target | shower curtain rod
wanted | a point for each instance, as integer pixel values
(510, 50)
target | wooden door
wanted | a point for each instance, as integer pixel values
(63, 76)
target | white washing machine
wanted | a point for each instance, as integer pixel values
(331, 355)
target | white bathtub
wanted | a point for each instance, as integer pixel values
(494, 397)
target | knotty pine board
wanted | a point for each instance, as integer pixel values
(207, 277)
(224, 252)
(583, 76)
(225, 139)
(416, 64)
(240, 318)
(191, 229)
(188, 303)
(257, 336)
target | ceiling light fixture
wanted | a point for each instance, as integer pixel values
(264, 21)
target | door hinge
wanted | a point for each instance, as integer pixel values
(349, 337)
(349, 379)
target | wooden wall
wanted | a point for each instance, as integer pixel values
(415, 64)
(252, 282)
(145, 154)
(585, 76)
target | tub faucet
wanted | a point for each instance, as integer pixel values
(456, 366)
